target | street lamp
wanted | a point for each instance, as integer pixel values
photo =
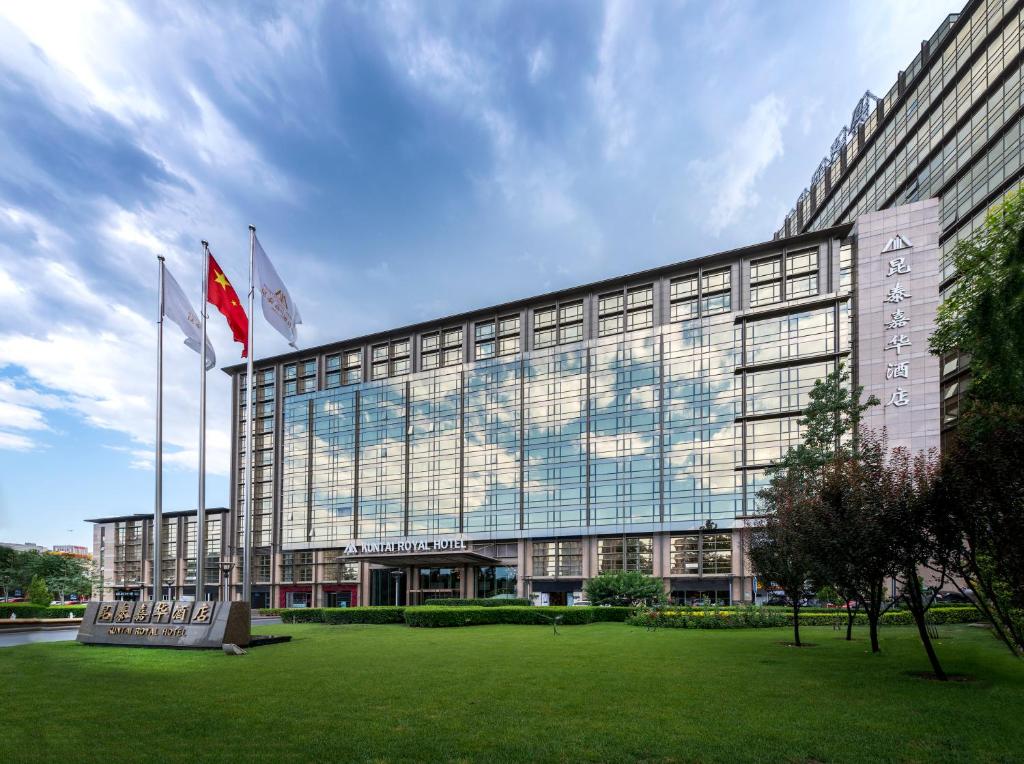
(397, 575)
(169, 582)
(225, 570)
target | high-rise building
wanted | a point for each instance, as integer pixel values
(949, 128)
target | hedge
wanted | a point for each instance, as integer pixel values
(936, 615)
(28, 610)
(479, 602)
(335, 615)
(430, 616)
(761, 617)
(749, 617)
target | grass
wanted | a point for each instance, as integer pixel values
(603, 692)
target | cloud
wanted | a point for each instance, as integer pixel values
(10, 441)
(626, 56)
(729, 180)
(538, 63)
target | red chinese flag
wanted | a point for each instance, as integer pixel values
(219, 292)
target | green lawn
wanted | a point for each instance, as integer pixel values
(603, 692)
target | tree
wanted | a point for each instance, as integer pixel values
(778, 547)
(983, 313)
(906, 485)
(976, 510)
(624, 587)
(39, 592)
(831, 420)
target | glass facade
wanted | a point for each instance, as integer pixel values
(664, 418)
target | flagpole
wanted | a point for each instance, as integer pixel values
(201, 508)
(159, 498)
(250, 393)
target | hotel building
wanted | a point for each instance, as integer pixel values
(627, 424)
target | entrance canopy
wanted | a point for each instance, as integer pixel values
(442, 559)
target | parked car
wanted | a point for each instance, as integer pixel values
(952, 598)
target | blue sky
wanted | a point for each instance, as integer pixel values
(400, 160)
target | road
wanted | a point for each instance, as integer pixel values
(69, 633)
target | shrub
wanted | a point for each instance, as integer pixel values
(624, 587)
(753, 617)
(749, 617)
(429, 616)
(38, 593)
(936, 615)
(29, 610)
(479, 602)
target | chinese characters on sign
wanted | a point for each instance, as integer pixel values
(166, 624)
(898, 319)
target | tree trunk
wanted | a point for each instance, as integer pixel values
(873, 629)
(992, 618)
(915, 601)
(849, 622)
(796, 622)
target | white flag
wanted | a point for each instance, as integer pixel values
(179, 310)
(278, 308)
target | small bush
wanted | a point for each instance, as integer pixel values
(28, 610)
(478, 602)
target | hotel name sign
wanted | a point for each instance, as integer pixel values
(441, 544)
(166, 623)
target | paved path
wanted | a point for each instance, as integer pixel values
(37, 635)
(69, 633)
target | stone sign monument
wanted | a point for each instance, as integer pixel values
(166, 624)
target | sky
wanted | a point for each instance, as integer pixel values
(401, 162)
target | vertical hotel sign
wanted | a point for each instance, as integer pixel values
(897, 297)
(897, 365)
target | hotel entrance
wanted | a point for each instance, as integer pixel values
(435, 583)
(416, 578)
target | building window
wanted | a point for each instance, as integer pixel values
(494, 580)
(296, 567)
(558, 325)
(765, 281)
(338, 571)
(683, 298)
(628, 310)
(609, 314)
(389, 359)
(558, 558)
(484, 338)
(640, 308)
(300, 377)
(801, 274)
(343, 368)
(846, 267)
(704, 554)
(716, 291)
(332, 371)
(353, 367)
(626, 553)
(508, 335)
(441, 348)
(261, 568)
